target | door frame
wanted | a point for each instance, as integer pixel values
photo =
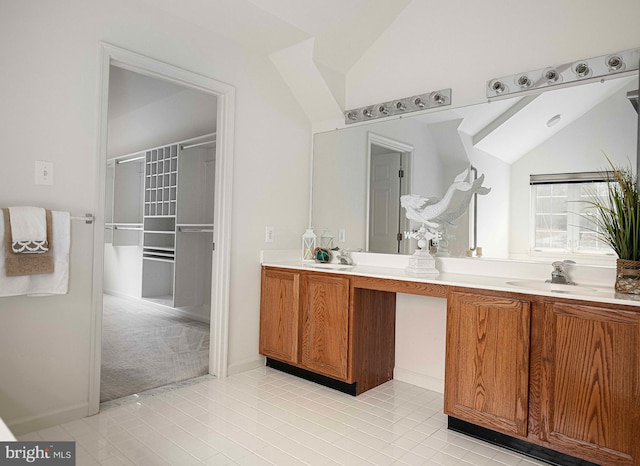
(406, 151)
(225, 93)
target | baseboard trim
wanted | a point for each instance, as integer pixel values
(246, 365)
(189, 314)
(348, 388)
(184, 312)
(521, 446)
(420, 380)
(118, 294)
(27, 424)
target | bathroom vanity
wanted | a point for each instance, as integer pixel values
(551, 370)
(541, 369)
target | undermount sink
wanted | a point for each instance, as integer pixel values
(552, 287)
(320, 265)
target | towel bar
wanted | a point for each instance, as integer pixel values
(88, 218)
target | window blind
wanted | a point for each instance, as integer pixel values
(582, 177)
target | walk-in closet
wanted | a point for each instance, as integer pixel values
(159, 210)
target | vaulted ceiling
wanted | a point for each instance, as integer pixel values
(320, 47)
(313, 43)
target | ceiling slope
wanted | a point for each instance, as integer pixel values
(339, 42)
(240, 20)
(300, 73)
(313, 43)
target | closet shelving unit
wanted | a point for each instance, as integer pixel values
(178, 223)
(161, 181)
(159, 239)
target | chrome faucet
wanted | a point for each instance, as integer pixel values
(345, 257)
(560, 274)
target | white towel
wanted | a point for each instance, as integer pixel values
(42, 284)
(28, 230)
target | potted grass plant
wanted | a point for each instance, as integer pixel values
(617, 222)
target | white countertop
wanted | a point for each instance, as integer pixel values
(520, 283)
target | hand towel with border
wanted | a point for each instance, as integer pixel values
(40, 284)
(29, 230)
(18, 264)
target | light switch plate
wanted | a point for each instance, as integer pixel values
(342, 235)
(269, 233)
(44, 173)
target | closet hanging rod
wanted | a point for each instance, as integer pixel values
(197, 144)
(127, 228)
(130, 160)
(195, 230)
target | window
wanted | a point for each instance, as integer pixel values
(559, 209)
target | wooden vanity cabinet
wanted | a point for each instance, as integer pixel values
(557, 373)
(321, 323)
(487, 361)
(324, 325)
(279, 315)
(590, 382)
(304, 321)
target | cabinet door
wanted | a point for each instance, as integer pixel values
(590, 393)
(487, 361)
(279, 315)
(325, 325)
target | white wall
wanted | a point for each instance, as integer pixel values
(51, 63)
(462, 45)
(177, 117)
(420, 340)
(493, 209)
(123, 270)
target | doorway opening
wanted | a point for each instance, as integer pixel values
(164, 178)
(389, 178)
(158, 234)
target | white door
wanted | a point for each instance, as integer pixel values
(384, 202)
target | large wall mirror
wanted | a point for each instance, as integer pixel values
(356, 186)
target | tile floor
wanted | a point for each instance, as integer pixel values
(266, 417)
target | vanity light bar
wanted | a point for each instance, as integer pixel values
(566, 74)
(434, 99)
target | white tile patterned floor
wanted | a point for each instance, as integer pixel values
(266, 417)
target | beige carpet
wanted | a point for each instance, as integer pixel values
(144, 348)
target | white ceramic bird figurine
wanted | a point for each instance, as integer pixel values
(460, 203)
(433, 211)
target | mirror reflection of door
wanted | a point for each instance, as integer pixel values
(386, 185)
